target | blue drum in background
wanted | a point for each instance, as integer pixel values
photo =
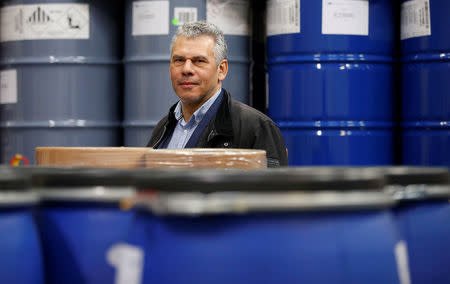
(423, 215)
(60, 75)
(330, 72)
(425, 82)
(20, 248)
(149, 27)
(80, 222)
(279, 226)
(335, 144)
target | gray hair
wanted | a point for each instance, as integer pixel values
(203, 28)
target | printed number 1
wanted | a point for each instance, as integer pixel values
(128, 261)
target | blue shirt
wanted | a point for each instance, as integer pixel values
(183, 130)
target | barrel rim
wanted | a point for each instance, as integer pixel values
(419, 192)
(426, 124)
(266, 180)
(85, 60)
(419, 57)
(196, 204)
(13, 198)
(335, 124)
(14, 179)
(59, 123)
(165, 58)
(85, 193)
(139, 123)
(409, 175)
(330, 58)
(66, 178)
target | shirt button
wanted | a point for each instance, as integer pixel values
(185, 131)
(225, 144)
(197, 120)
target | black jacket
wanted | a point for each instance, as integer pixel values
(235, 125)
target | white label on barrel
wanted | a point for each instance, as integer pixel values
(345, 17)
(183, 15)
(401, 256)
(415, 19)
(150, 18)
(283, 17)
(231, 16)
(128, 261)
(44, 21)
(8, 83)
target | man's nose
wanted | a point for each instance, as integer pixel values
(188, 67)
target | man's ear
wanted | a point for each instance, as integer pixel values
(223, 69)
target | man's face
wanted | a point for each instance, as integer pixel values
(193, 69)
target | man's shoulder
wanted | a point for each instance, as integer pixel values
(247, 113)
(164, 119)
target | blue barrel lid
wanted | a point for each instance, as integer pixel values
(271, 180)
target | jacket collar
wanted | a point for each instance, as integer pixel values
(222, 125)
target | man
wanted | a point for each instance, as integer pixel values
(206, 116)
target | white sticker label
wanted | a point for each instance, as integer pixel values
(415, 19)
(150, 18)
(128, 261)
(8, 90)
(283, 17)
(401, 257)
(231, 16)
(345, 17)
(44, 21)
(183, 15)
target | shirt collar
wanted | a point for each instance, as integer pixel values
(200, 112)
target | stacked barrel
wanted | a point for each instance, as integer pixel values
(331, 79)
(425, 82)
(59, 75)
(149, 27)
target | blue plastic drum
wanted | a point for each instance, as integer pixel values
(422, 215)
(331, 79)
(60, 75)
(21, 259)
(149, 27)
(278, 226)
(425, 82)
(80, 222)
